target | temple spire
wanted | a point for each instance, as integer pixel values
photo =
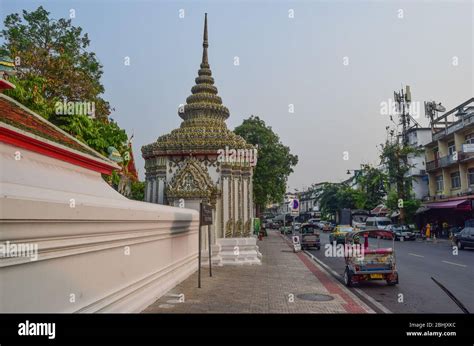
(205, 44)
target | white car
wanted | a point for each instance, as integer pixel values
(297, 226)
(377, 223)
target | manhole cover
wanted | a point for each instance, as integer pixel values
(315, 297)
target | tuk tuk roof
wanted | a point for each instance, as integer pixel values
(379, 232)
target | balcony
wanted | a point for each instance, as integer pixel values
(465, 121)
(442, 162)
(467, 152)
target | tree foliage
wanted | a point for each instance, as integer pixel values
(54, 65)
(371, 183)
(275, 162)
(56, 51)
(410, 205)
(335, 196)
(394, 156)
(369, 193)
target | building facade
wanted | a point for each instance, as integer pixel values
(418, 137)
(450, 168)
(450, 154)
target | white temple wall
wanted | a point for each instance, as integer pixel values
(104, 254)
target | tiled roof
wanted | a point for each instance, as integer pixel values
(16, 115)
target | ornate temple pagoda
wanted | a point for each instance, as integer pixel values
(183, 169)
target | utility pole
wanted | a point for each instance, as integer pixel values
(402, 101)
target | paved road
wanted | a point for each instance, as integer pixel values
(417, 262)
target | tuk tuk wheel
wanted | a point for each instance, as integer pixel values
(393, 282)
(348, 277)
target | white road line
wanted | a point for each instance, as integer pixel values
(362, 293)
(414, 254)
(455, 264)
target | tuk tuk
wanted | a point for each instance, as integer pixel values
(309, 236)
(371, 263)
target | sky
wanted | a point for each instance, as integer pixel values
(317, 72)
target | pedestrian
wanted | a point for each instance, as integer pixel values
(445, 229)
(428, 231)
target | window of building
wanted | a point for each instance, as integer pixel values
(436, 153)
(470, 138)
(455, 180)
(439, 183)
(451, 148)
(470, 176)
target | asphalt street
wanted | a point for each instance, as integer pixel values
(417, 262)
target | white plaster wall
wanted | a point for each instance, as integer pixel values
(83, 264)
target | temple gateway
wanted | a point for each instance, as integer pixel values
(186, 167)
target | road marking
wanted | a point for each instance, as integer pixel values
(362, 293)
(455, 264)
(414, 254)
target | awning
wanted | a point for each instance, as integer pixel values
(380, 209)
(449, 204)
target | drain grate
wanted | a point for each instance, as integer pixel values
(314, 297)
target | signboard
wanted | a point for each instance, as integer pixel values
(468, 148)
(294, 207)
(296, 243)
(206, 215)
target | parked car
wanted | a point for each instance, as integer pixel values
(329, 227)
(401, 232)
(309, 236)
(358, 225)
(465, 238)
(297, 226)
(314, 221)
(377, 223)
(453, 231)
(339, 234)
(286, 230)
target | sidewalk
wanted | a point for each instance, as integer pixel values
(273, 287)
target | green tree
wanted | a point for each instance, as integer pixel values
(275, 162)
(394, 157)
(371, 185)
(54, 65)
(335, 196)
(138, 191)
(410, 205)
(56, 51)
